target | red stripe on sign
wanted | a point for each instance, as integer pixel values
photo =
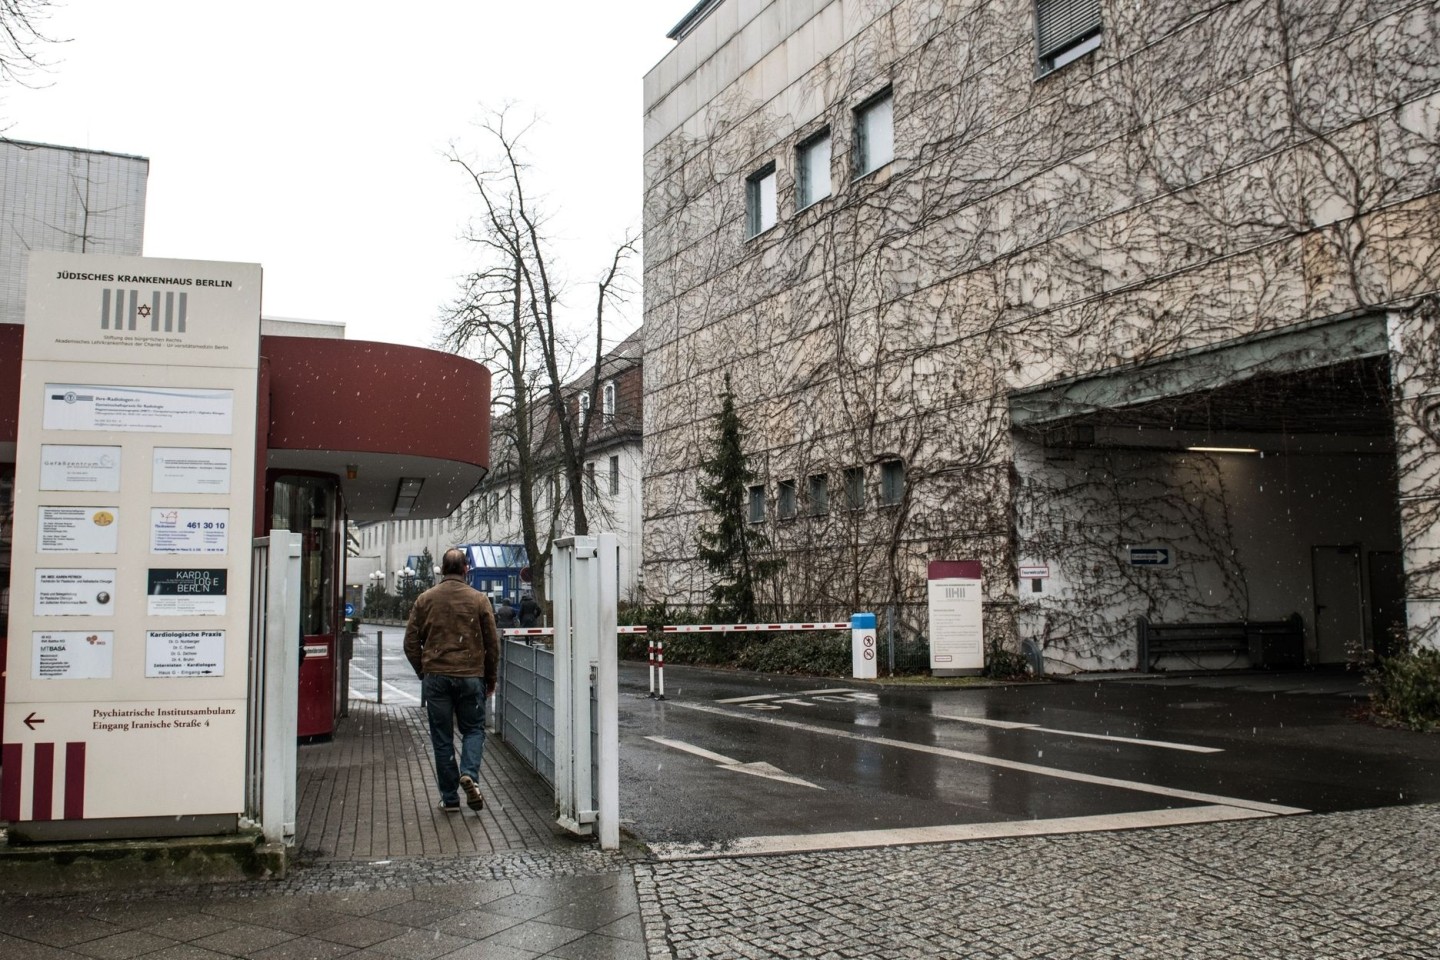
(75, 781)
(954, 570)
(11, 756)
(43, 798)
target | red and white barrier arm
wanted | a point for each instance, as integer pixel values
(750, 627)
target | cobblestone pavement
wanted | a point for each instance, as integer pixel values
(1359, 885)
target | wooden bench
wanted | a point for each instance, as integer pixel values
(1268, 643)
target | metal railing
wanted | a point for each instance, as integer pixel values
(525, 704)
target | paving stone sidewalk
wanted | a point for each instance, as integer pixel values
(382, 875)
(1360, 885)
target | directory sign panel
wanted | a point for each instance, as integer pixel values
(957, 641)
(131, 550)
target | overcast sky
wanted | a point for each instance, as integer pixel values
(308, 138)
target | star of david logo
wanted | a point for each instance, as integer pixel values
(144, 310)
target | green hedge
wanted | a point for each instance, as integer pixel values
(1405, 689)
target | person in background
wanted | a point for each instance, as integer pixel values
(453, 645)
(504, 614)
(529, 611)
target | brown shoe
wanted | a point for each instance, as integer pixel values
(473, 796)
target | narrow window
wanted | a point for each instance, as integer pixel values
(892, 481)
(854, 488)
(812, 170)
(583, 404)
(509, 504)
(760, 202)
(1065, 30)
(757, 504)
(590, 478)
(614, 476)
(607, 402)
(817, 493)
(874, 134)
(785, 502)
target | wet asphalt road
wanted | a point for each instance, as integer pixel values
(887, 758)
(877, 757)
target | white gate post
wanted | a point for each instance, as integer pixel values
(561, 567)
(282, 688)
(607, 683)
(585, 600)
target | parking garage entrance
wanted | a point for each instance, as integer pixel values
(1248, 482)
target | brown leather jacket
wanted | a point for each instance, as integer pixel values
(452, 633)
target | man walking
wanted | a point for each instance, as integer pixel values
(452, 644)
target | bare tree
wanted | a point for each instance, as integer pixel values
(509, 313)
(20, 35)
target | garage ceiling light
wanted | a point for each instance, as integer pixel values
(1222, 449)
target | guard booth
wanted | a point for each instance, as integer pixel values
(311, 505)
(498, 569)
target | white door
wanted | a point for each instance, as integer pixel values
(1339, 604)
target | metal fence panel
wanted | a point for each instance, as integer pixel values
(545, 713)
(526, 705)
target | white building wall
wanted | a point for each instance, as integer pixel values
(67, 200)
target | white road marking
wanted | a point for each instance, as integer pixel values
(389, 687)
(1010, 725)
(777, 696)
(756, 769)
(691, 748)
(1032, 768)
(761, 769)
(761, 846)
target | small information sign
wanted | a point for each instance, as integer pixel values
(190, 470)
(1150, 556)
(184, 653)
(186, 530)
(77, 530)
(86, 469)
(72, 654)
(73, 406)
(186, 593)
(74, 592)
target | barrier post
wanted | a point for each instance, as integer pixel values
(862, 646)
(660, 667)
(650, 655)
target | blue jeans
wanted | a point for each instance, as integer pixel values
(451, 701)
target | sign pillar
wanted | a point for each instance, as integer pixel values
(863, 665)
(130, 585)
(957, 643)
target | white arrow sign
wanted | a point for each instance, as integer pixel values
(755, 769)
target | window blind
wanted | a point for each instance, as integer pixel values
(1060, 23)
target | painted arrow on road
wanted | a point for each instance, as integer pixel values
(755, 769)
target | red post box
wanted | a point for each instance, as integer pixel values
(317, 688)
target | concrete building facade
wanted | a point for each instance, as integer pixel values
(1134, 303)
